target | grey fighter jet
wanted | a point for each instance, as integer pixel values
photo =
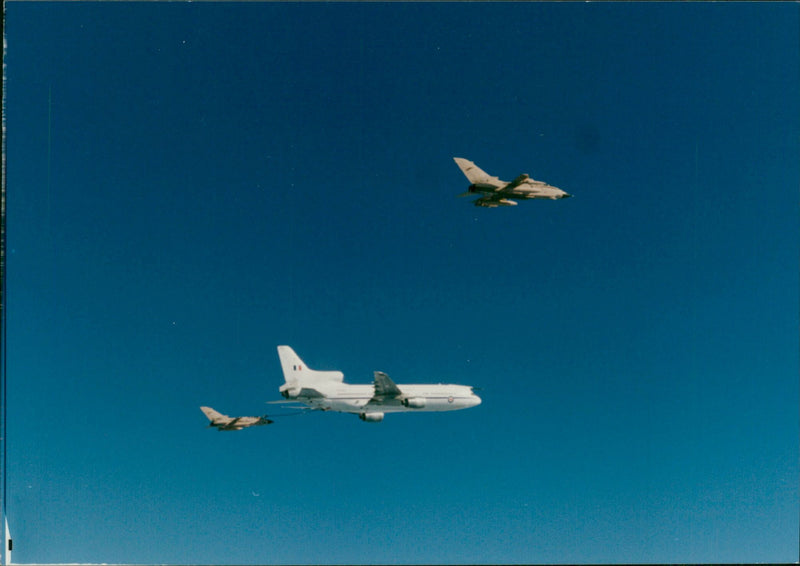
(224, 422)
(496, 192)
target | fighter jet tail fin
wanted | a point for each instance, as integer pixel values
(212, 414)
(475, 174)
(297, 374)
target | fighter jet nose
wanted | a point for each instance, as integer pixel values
(566, 195)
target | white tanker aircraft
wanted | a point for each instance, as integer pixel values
(326, 390)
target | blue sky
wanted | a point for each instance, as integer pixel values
(190, 185)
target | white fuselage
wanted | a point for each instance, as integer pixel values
(346, 398)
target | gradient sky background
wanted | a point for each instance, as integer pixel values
(215, 180)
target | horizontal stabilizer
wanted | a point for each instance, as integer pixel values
(295, 370)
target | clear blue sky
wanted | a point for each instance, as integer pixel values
(214, 180)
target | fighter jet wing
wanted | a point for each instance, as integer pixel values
(385, 388)
(515, 183)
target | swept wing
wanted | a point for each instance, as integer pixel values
(516, 182)
(385, 388)
(386, 391)
(232, 423)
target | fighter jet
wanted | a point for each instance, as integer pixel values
(496, 191)
(326, 390)
(224, 422)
